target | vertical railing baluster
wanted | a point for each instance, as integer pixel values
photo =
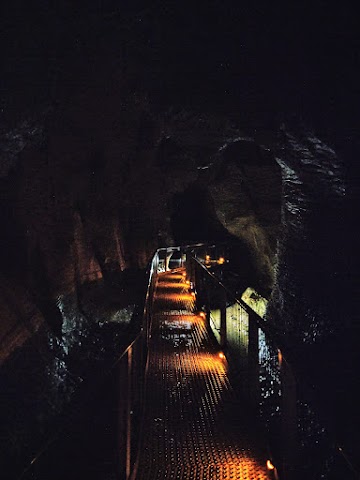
(207, 301)
(121, 372)
(253, 362)
(128, 413)
(288, 420)
(189, 267)
(193, 270)
(223, 299)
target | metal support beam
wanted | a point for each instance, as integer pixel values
(128, 414)
(223, 339)
(288, 420)
(253, 362)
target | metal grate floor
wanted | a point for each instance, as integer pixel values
(195, 427)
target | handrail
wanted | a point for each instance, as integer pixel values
(287, 376)
(256, 317)
(284, 369)
(110, 370)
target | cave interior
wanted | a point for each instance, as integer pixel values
(129, 126)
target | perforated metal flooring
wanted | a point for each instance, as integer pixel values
(194, 427)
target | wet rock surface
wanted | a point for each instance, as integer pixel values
(46, 374)
(112, 145)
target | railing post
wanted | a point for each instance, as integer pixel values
(200, 288)
(193, 273)
(288, 420)
(223, 299)
(121, 373)
(253, 362)
(128, 414)
(206, 299)
(190, 269)
(183, 257)
(124, 415)
(187, 265)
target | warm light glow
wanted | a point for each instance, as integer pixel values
(188, 282)
(174, 297)
(171, 276)
(221, 260)
(207, 258)
(221, 355)
(269, 465)
(172, 285)
(202, 314)
(205, 363)
(193, 294)
(280, 357)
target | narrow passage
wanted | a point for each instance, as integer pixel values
(195, 427)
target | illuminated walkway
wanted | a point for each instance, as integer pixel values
(194, 427)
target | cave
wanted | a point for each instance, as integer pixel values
(131, 126)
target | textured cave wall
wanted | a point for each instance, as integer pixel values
(92, 197)
(247, 193)
(111, 178)
(313, 244)
(308, 309)
(90, 186)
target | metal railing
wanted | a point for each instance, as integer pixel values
(299, 444)
(126, 378)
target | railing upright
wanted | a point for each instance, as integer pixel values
(289, 438)
(223, 332)
(265, 376)
(253, 362)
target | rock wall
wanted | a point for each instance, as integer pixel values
(98, 169)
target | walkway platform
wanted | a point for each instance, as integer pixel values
(195, 425)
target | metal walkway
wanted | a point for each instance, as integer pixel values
(195, 427)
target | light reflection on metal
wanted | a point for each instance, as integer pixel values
(174, 296)
(206, 363)
(269, 465)
(183, 322)
(178, 285)
(185, 370)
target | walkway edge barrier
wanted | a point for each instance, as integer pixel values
(270, 382)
